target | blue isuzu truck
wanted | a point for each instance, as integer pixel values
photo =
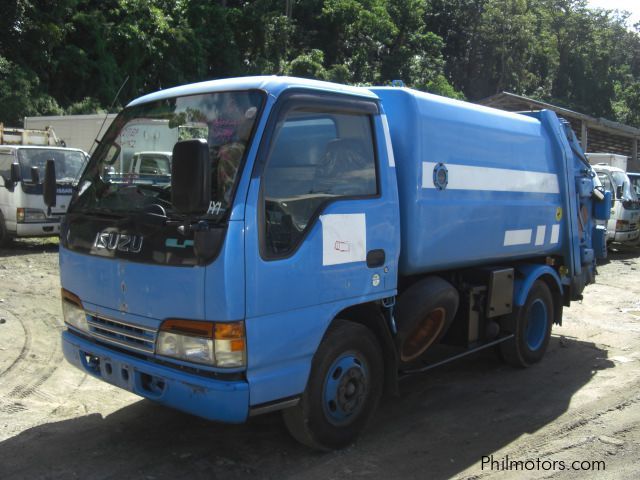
(316, 242)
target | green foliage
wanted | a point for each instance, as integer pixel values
(85, 106)
(74, 55)
(307, 65)
(20, 95)
(626, 105)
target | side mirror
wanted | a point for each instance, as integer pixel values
(35, 175)
(15, 173)
(49, 186)
(619, 191)
(191, 177)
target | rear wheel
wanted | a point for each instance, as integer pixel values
(531, 327)
(343, 390)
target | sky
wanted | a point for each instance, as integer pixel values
(632, 6)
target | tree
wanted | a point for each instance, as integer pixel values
(20, 95)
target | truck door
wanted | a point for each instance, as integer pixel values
(321, 231)
(615, 207)
(7, 196)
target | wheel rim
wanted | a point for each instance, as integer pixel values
(423, 335)
(537, 325)
(346, 388)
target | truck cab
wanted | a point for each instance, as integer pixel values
(22, 210)
(624, 224)
(151, 163)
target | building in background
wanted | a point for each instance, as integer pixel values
(77, 131)
(597, 135)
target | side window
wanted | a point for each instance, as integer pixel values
(315, 158)
(149, 166)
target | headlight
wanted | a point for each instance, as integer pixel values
(622, 225)
(185, 347)
(74, 315)
(212, 343)
(30, 215)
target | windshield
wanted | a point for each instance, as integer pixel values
(131, 170)
(153, 163)
(635, 184)
(69, 163)
(621, 179)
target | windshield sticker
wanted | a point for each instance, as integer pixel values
(177, 243)
(214, 208)
(344, 238)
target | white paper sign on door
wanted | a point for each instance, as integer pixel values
(344, 238)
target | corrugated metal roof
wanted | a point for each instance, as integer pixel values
(602, 135)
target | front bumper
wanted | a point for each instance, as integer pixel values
(37, 229)
(225, 401)
(628, 236)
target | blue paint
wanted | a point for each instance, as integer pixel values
(345, 387)
(205, 397)
(536, 325)
(437, 224)
(528, 274)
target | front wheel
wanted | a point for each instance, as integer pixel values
(531, 327)
(343, 390)
(5, 238)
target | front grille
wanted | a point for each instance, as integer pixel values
(125, 335)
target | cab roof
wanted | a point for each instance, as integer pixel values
(273, 85)
(605, 167)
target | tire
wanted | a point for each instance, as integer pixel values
(425, 312)
(5, 238)
(344, 388)
(531, 326)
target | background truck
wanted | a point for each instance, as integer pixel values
(624, 222)
(611, 159)
(25, 136)
(317, 242)
(22, 161)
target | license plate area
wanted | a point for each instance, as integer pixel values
(123, 375)
(110, 370)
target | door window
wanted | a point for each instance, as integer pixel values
(315, 158)
(5, 164)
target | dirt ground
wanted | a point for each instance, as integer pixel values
(581, 403)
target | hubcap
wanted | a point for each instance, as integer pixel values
(345, 389)
(536, 325)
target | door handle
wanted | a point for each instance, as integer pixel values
(375, 258)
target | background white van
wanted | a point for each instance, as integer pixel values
(624, 224)
(22, 209)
